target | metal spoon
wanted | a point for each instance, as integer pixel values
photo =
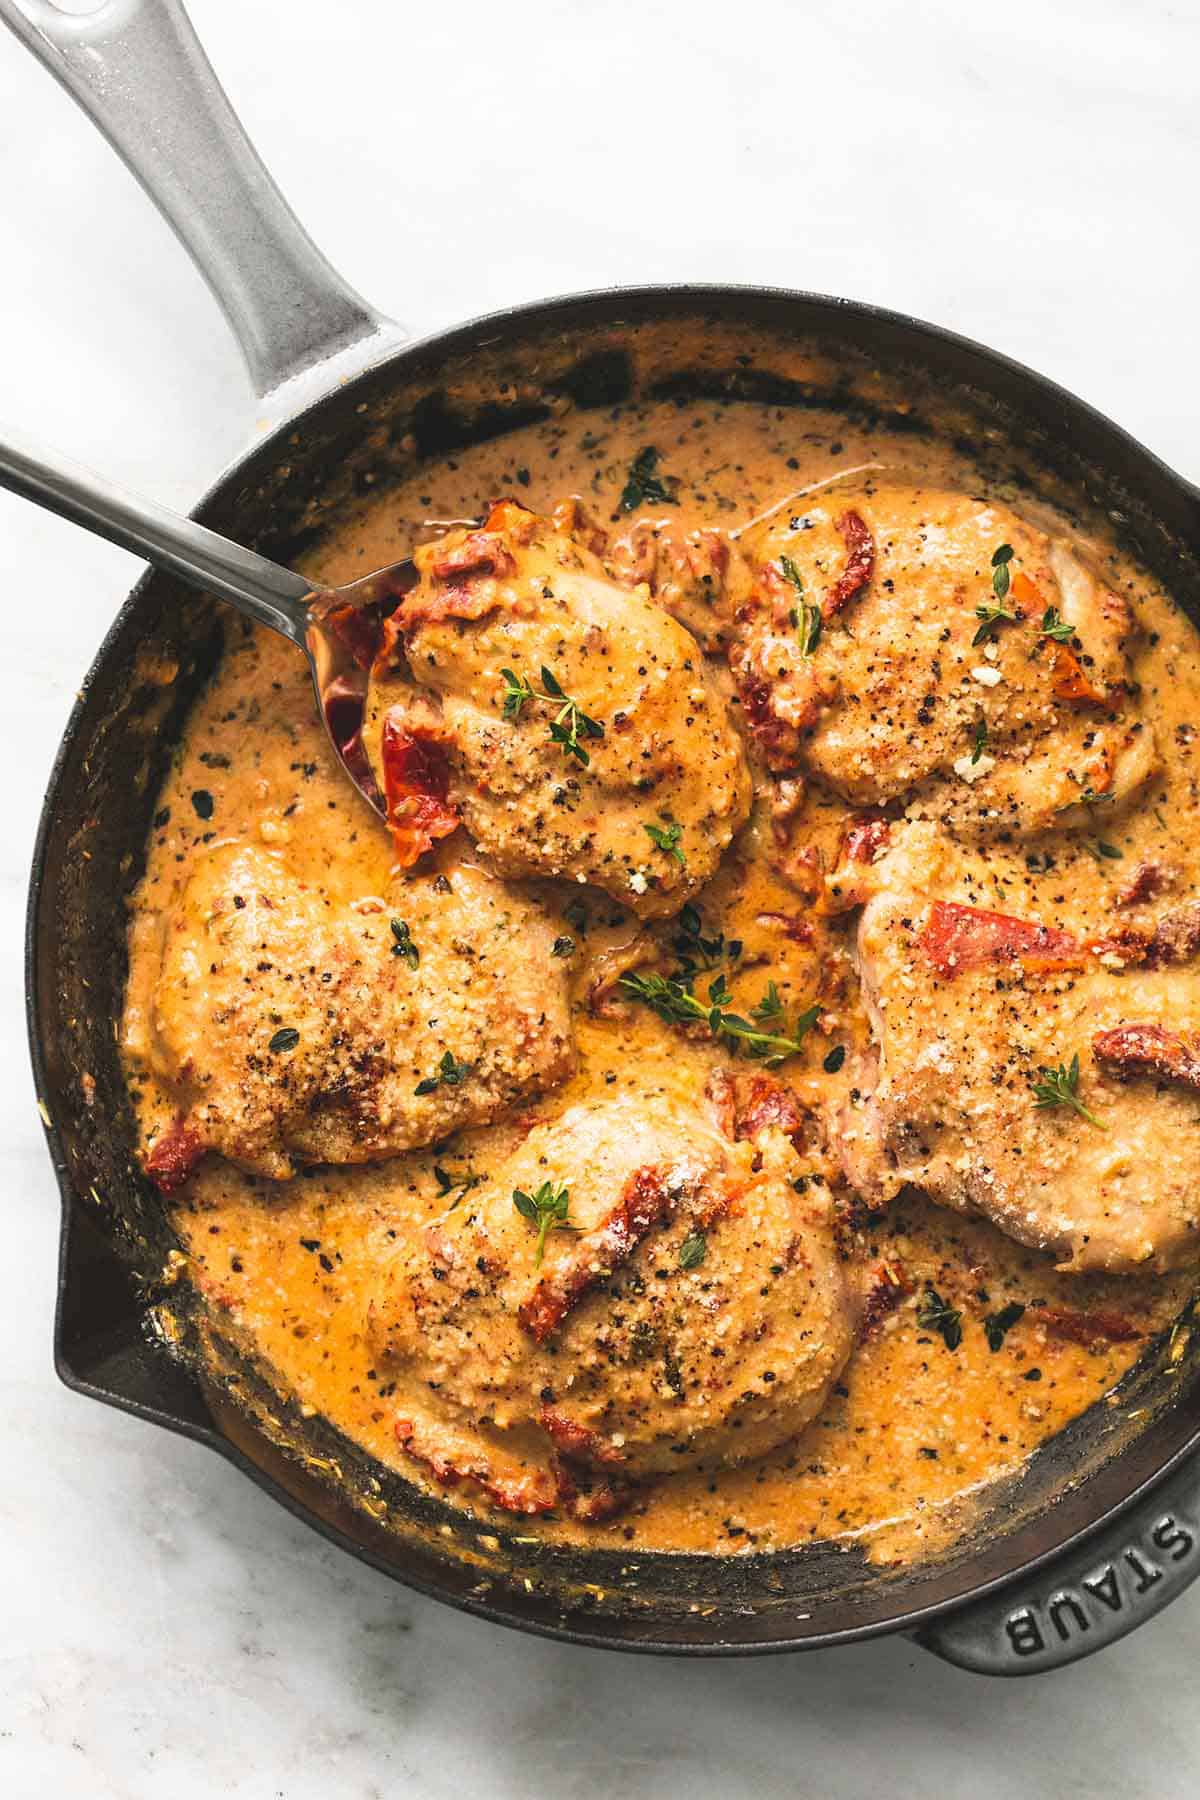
(316, 619)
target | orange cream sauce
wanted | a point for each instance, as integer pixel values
(915, 1428)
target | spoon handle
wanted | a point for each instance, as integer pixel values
(264, 590)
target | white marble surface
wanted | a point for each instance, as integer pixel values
(1025, 173)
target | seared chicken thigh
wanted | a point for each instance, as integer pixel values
(1050, 1084)
(569, 724)
(904, 642)
(291, 1031)
(684, 1306)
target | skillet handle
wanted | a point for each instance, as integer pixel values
(1089, 1597)
(138, 70)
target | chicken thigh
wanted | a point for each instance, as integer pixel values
(631, 1294)
(912, 644)
(1051, 1085)
(569, 724)
(290, 1030)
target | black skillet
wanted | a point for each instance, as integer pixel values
(1103, 1527)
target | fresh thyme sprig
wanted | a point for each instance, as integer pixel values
(1056, 627)
(547, 1209)
(993, 617)
(675, 1002)
(1060, 1087)
(805, 616)
(666, 838)
(569, 724)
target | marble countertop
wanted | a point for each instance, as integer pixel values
(1025, 174)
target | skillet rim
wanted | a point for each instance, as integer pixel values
(646, 300)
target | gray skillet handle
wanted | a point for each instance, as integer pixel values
(138, 69)
(1087, 1598)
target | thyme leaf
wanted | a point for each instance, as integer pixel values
(693, 1250)
(1060, 1087)
(933, 1314)
(805, 616)
(547, 1209)
(997, 1325)
(993, 617)
(404, 945)
(981, 737)
(696, 952)
(458, 1185)
(1001, 557)
(450, 1073)
(1102, 850)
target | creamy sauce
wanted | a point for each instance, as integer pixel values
(915, 1428)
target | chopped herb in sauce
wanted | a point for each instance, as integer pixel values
(563, 946)
(979, 743)
(458, 1185)
(997, 1325)
(449, 1074)
(285, 1039)
(202, 802)
(1060, 1087)
(1102, 851)
(835, 1059)
(696, 952)
(693, 1249)
(404, 945)
(933, 1314)
(547, 1209)
(643, 484)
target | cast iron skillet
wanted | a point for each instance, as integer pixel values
(1103, 1528)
